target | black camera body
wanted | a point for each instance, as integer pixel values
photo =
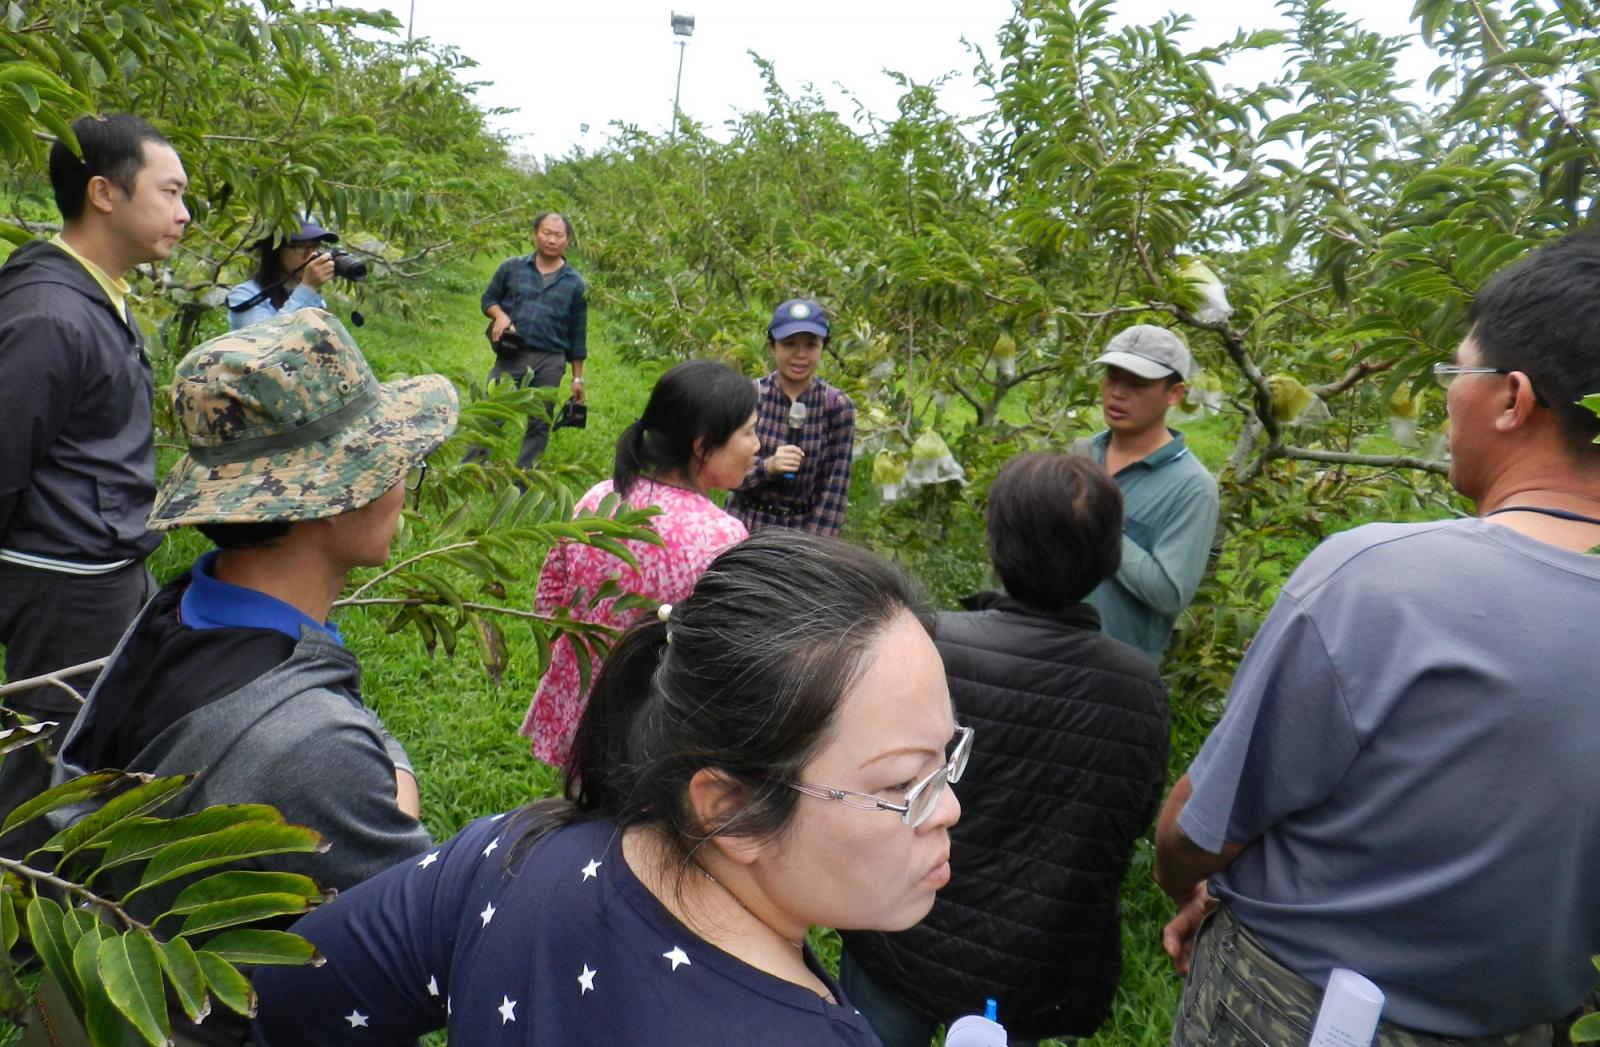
(347, 266)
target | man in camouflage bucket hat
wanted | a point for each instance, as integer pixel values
(297, 471)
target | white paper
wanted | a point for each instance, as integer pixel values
(1349, 1014)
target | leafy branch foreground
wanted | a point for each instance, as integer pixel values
(115, 969)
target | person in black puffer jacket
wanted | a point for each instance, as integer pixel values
(1067, 773)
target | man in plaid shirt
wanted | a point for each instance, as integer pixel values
(798, 483)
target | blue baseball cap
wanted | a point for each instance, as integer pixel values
(797, 315)
(310, 231)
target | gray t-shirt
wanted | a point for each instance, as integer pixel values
(1411, 750)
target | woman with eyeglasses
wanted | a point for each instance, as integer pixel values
(772, 753)
(697, 434)
(289, 275)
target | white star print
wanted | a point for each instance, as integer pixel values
(586, 979)
(592, 869)
(433, 985)
(487, 914)
(447, 1006)
(429, 860)
(677, 956)
(356, 1019)
(492, 845)
(507, 1009)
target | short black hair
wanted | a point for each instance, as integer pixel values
(1055, 528)
(244, 535)
(113, 148)
(1541, 315)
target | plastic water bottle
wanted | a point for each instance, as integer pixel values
(976, 1031)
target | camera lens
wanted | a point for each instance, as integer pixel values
(347, 266)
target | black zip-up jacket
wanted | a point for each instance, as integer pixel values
(77, 461)
(1068, 763)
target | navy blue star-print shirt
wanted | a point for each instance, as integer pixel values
(565, 946)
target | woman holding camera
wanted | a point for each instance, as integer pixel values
(288, 276)
(697, 434)
(770, 754)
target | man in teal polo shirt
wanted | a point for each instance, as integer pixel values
(1169, 500)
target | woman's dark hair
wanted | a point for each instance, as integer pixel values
(696, 400)
(270, 274)
(1055, 528)
(746, 677)
(244, 535)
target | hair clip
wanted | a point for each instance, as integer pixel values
(664, 613)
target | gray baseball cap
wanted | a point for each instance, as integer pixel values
(1149, 352)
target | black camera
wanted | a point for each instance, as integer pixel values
(347, 265)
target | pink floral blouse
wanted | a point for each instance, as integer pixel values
(693, 531)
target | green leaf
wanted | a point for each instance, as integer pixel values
(263, 947)
(188, 981)
(104, 1023)
(1586, 1029)
(14, 738)
(10, 928)
(1592, 402)
(136, 801)
(129, 967)
(245, 883)
(83, 787)
(46, 934)
(250, 840)
(235, 911)
(227, 984)
(144, 838)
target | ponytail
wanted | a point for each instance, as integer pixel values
(601, 774)
(632, 459)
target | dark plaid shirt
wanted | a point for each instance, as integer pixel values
(553, 317)
(814, 500)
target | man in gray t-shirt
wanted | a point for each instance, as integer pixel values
(1404, 780)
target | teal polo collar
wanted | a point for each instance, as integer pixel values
(1167, 452)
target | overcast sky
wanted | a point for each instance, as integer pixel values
(563, 65)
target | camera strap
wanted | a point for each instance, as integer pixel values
(266, 292)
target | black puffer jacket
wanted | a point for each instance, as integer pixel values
(1068, 764)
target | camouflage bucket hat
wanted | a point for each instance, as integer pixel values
(285, 421)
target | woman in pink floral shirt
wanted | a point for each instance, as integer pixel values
(698, 432)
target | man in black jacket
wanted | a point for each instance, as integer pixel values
(1070, 760)
(77, 463)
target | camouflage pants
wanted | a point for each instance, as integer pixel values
(1239, 996)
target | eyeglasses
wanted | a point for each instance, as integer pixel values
(1444, 374)
(414, 480)
(922, 798)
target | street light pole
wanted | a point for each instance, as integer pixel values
(682, 25)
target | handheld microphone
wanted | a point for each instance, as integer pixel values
(797, 426)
